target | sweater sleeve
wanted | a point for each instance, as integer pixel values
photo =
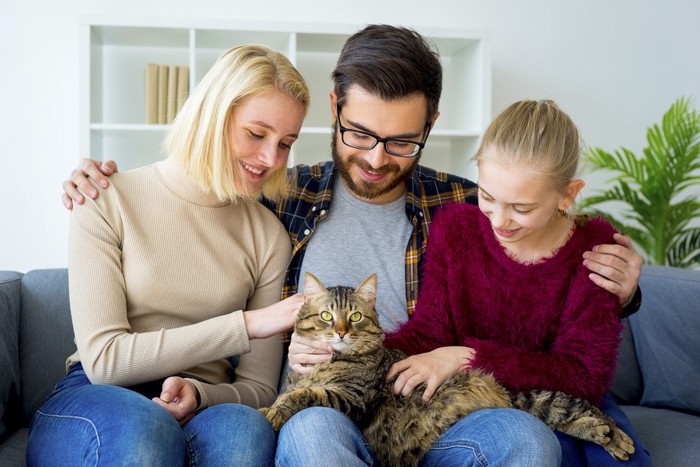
(430, 326)
(581, 359)
(109, 351)
(257, 373)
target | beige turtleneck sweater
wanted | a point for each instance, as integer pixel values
(159, 274)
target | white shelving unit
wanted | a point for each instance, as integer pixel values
(114, 54)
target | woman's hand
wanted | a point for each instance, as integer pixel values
(274, 319)
(179, 397)
(87, 170)
(432, 368)
(305, 353)
(616, 268)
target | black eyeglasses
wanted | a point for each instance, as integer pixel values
(359, 139)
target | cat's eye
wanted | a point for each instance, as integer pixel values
(326, 316)
(355, 317)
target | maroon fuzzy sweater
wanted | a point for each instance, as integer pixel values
(534, 326)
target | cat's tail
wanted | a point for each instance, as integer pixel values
(576, 417)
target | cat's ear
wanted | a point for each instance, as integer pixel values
(368, 289)
(312, 286)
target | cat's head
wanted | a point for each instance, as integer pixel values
(341, 316)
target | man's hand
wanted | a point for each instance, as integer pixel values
(616, 268)
(432, 368)
(88, 170)
(179, 397)
(305, 353)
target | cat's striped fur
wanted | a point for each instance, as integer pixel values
(401, 429)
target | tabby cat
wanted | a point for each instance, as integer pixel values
(401, 429)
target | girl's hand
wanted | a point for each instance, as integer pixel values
(274, 319)
(432, 368)
(305, 353)
(179, 397)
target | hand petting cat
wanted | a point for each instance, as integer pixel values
(307, 352)
(432, 368)
(274, 319)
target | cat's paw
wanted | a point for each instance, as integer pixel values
(621, 446)
(274, 416)
(600, 434)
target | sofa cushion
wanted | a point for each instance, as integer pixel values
(9, 349)
(46, 336)
(627, 383)
(670, 437)
(13, 449)
(666, 331)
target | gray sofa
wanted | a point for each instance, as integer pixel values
(658, 377)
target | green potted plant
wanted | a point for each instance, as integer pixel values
(657, 189)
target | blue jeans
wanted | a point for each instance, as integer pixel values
(577, 453)
(323, 436)
(85, 424)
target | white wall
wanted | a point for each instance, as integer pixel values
(615, 67)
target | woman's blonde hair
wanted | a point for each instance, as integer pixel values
(198, 139)
(539, 135)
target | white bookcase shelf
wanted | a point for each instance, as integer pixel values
(114, 54)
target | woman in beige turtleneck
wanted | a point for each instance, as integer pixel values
(174, 270)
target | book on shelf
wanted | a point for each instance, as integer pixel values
(167, 88)
(183, 85)
(151, 93)
(171, 101)
(163, 94)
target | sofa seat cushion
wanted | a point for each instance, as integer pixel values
(10, 285)
(12, 449)
(671, 437)
(665, 332)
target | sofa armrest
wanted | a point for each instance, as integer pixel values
(665, 332)
(10, 303)
(46, 336)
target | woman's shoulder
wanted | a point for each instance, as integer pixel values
(262, 219)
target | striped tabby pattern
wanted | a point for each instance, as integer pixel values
(399, 429)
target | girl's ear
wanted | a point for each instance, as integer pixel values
(570, 193)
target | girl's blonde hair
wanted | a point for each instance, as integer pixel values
(198, 139)
(539, 135)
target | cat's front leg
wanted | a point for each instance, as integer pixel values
(275, 416)
(281, 410)
(289, 403)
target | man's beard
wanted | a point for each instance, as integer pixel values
(364, 189)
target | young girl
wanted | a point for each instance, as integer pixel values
(503, 287)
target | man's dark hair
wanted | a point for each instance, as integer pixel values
(390, 62)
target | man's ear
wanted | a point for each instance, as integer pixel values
(435, 117)
(312, 287)
(570, 193)
(334, 101)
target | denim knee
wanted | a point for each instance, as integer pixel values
(322, 436)
(100, 424)
(496, 437)
(230, 434)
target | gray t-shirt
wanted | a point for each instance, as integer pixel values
(358, 239)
